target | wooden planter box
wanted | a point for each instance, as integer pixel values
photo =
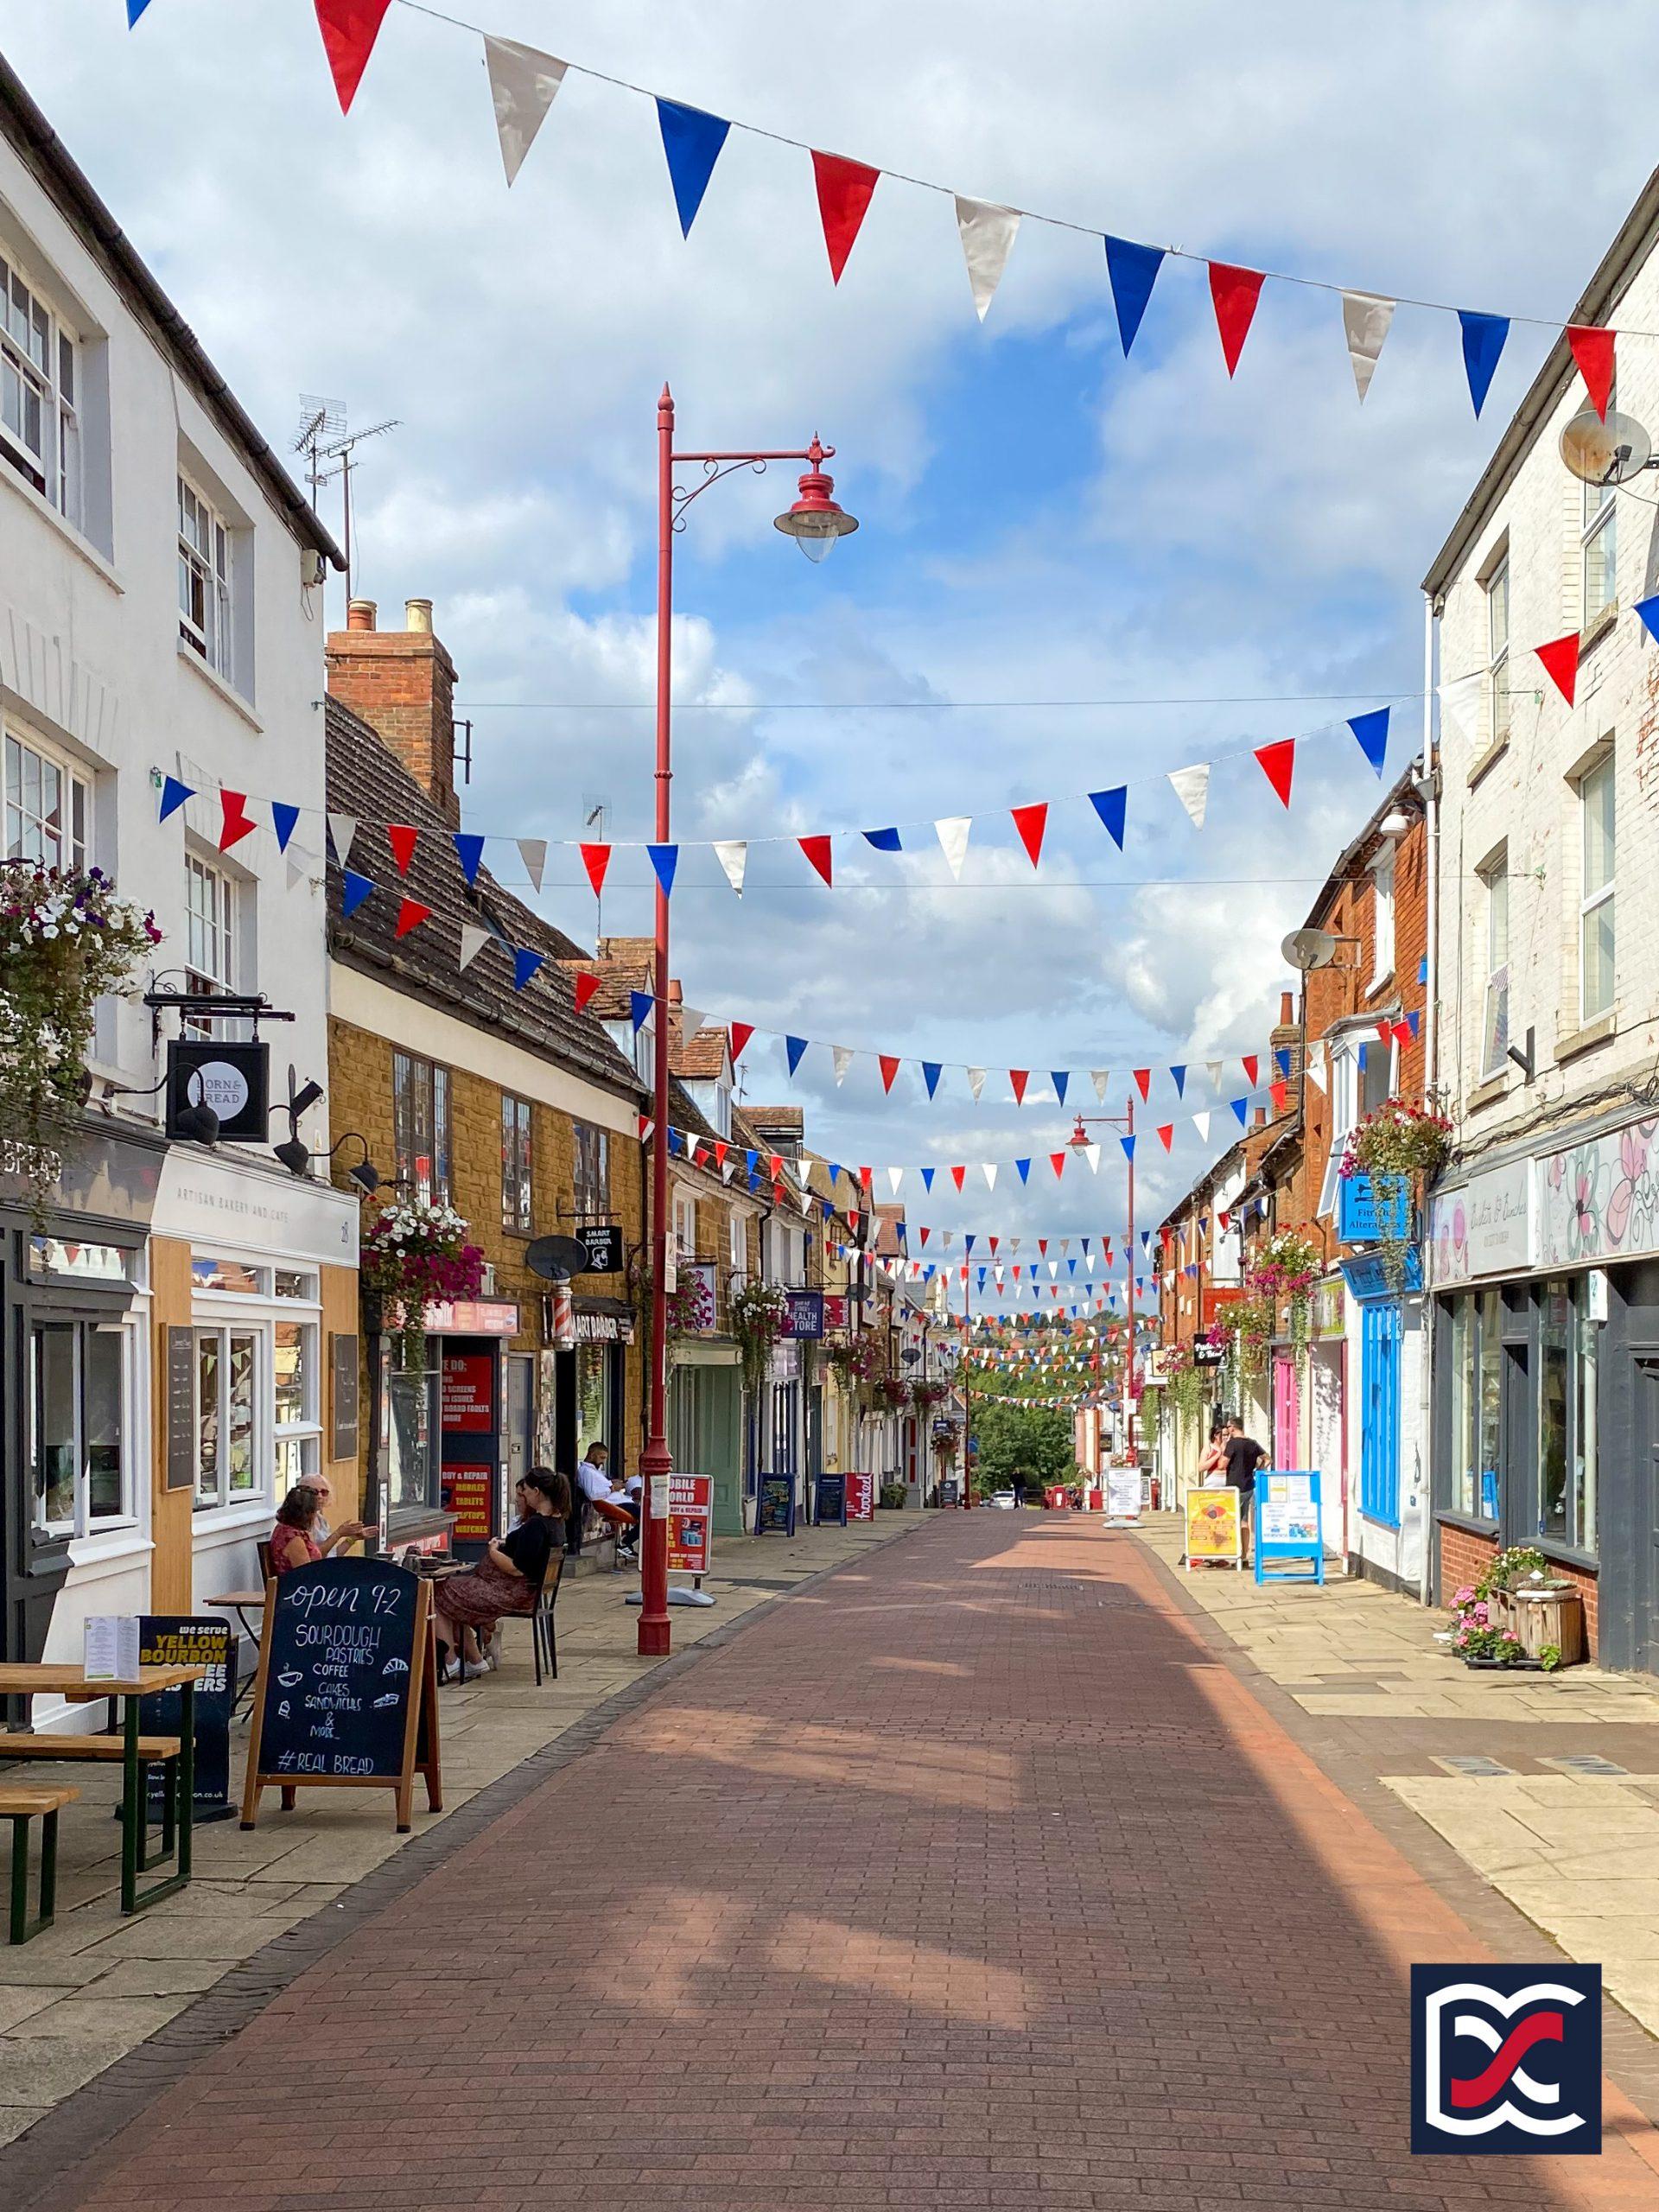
(1543, 1617)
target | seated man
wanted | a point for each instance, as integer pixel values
(610, 1504)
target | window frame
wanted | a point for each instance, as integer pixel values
(1599, 544)
(79, 1329)
(518, 1164)
(1496, 585)
(1383, 916)
(209, 568)
(590, 1169)
(1591, 903)
(56, 472)
(75, 787)
(1494, 875)
(408, 1071)
(1580, 1357)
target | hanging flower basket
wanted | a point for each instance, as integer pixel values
(1401, 1147)
(924, 1396)
(415, 1254)
(1281, 1271)
(892, 1393)
(1186, 1385)
(758, 1312)
(66, 940)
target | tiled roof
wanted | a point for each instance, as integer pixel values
(367, 781)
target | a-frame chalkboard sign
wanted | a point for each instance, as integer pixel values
(346, 1694)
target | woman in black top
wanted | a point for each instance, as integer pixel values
(509, 1578)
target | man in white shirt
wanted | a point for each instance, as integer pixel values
(610, 1504)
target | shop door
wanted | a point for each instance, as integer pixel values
(1379, 1458)
(1637, 1633)
(1286, 1411)
(722, 1449)
(521, 1401)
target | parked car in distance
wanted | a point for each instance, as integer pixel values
(1004, 1498)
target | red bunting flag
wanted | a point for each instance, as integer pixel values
(1278, 763)
(890, 1065)
(721, 1150)
(1560, 660)
(1385, 1031)
(926, 1233)
(1223, 1217)
(699, 1152)
(586, 985)
(1593, 349)
(740, 1034)
(1280, 1094)
(1166, 1134)
(844, 189)
(401, 837)
(956, 1175)
(410, 915)
(1042, 1246)
(596, 859)
(1403, 1033)
(1251, 1064)
(236, 822)
(1031, 822)
(645, 1127)
(349, 29)
(1018, 1078)
(1143, 1082)
(775, 1165)
(1234, 293)
(866, 1176)
(1057, 1161)
(818, 851)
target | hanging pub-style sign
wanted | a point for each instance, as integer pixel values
(232, 1080)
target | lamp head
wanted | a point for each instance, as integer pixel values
(198, 1123)
(1079, 1135)
(295, 1154)
(815, 521)
(366, 1176)
(304, 1099)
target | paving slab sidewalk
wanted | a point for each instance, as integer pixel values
(83, 1994)
(1577, 1853)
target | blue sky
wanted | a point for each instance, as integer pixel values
(1039, 519)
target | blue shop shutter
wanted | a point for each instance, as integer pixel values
(1379, 1381)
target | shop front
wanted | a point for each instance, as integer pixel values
(1325, 1396)
(1387, 1533)
(705, 1425)
(588, 1381)
(444, 1437)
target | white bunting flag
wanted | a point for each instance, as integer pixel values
(842, 1056)
(1092, 1154)
(1460, 705)
(523, 84)
(533, 853)
(1201, 1123)
(977, 1082)
(1100, 1078)
(895, 1177)
(988, 234)
(953, 836)
(691, 1021)
(473, 941)
(1365, 320)
(1212, 1069)
(301, 861)
(1316, 1066)
(733, 853)
(987, 1168)
(342, 828)
(1053, 1268)
(1192, 786)
(1089, 1264)
(728, 1168)
(1013, 1244)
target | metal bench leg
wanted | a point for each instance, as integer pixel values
(48, 1869)
(20, 1930)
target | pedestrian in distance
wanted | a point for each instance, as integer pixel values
(1212, 1462)
(1243, 1457)
(611, 1503)
(1018, 1485)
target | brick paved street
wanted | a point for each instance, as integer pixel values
(972, 1876)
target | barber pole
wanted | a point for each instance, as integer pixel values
(564, 1317)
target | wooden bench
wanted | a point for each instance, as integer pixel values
(153, 1751)
(20, 1804)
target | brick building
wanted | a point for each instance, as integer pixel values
(460, 1084)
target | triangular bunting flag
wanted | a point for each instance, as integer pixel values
(664, 859)
(956, 1175)
(532, 851)
(1251, 1064)
(953, 836)
(1057, 1161)
(1092, 1154)
(1127, 1144)
(988, 233)
(1365, 320)
(1593, 349)
(410, 915)
(469, 851)
(284, 820)
(1241, 1108)
(1142, 1081)
(1649, 611)
(1460, 704)
(928, 1174)
(401, 836)
(1111, 807)
(895, 1177)
(525, 965)
(1201, 1123)
(174, 795)
(1372, 731)
(1560, 661)
(641, 1005)
(1131, 271)
(740, 1034)
(932, 1070)
(523, 84)
(691, 140)
(1234, 293)
(1031, 821)
(135, 9)
(977, 1082)
(885, 840)
(842, 1056)
(349, 29)
(583, 986)
(1100, 1078)
(987, 1168)
(342, 828)
(817, 850)
(596, 859)
(1018, 1078)
(1192, 786)
(474, 937)
(793, 1049)
(890, 1065)
(733, 853)
(235, 821)
(1022, 1168)
(1061, 1078)
(354, 890)
(1482, 341)
(1277, 762)
(844, 189)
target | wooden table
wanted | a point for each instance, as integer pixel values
(124, 1693)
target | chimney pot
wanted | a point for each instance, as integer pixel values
(417, 615)
(360, 614)
(1261, 1118)
(1286, 1000)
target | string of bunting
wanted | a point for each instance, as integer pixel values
(523, 83)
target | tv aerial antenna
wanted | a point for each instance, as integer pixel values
(329, 443)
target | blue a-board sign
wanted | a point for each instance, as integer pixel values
(831, 1501)
(1289, 1527)
(774, 1506)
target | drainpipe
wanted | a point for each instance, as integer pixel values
(1431, 1024)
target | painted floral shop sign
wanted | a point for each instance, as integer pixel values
(1485, 1227)
(1600, 1200)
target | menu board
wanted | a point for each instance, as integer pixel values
(342, 1681)
(181, 1409)
(861, 1498)
(466, 1492)
(1287, 1509)
(342, 1365)
(1124, 1493)
(690, 1507)
(831, 1499)
(1213, 1530)
(468, 1393)
(177, 1640)
(774, 1506)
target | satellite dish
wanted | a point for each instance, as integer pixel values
(1606, 453)
(553, 1256)
(1309, 949)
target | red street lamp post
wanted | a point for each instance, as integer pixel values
(1079, 1137)
(815, 522)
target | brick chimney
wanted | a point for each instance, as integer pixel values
(403, 685)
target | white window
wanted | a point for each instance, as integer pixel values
(1344, 1112)
(48, 804)
(206, 551)
(1498, 647)
(723, 1115)
(257, 1380)
(210, 937)
(1600, 547)
(686, 1226)
(1383, 919)
(80, 1427)
(1596, 904)
(1495, 1023)
(296, 1428)
(40, 431)
(740, 1243)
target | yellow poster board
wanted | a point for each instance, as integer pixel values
(1213, 1527)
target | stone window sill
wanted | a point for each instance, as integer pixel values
(1601, 627)
(1585, 1039)
(1489, 759)
(215, 681)
(1488, 1092)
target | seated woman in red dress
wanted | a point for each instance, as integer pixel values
(292, 1544)
(508, 1580)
